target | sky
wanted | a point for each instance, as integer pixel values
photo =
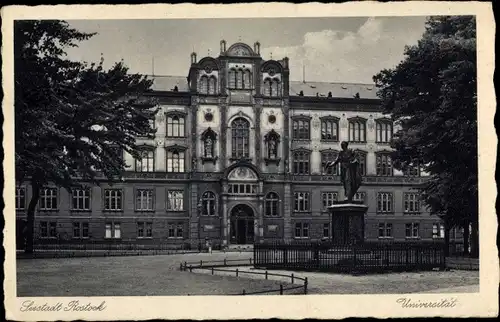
(332, 49)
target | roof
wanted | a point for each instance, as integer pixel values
(167, 83)
(340, 90)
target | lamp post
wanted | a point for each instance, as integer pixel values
(199, 207)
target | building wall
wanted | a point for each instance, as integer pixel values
(201, 176)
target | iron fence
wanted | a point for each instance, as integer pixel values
(215, 266)
(361, 258)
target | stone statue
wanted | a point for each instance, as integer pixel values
(208, 147)
(350, 171)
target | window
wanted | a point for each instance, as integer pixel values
(437, 230)
(144, 229)
(326, 230)
(175, 230)
(301, 162)
(20, 198)
(301, 201)
(272, 201)
(48, 199)
(113, 230)
(300, 129)
(212, 85)
(247, 79)
(175, 200)
(359, 196)
(301, 230)
(384, 202)
(329, 129)
(112, 199)
(329, 156)
(203, 86)
(357, 130)
(240, 129)
(361, 155)
(80, 199)
(328, 199)
(411, 202)
(175, 126)
(175, 160)
(80, 229)
(413, 170)
(232, 78)
(412, 230)
(384, 131)
(239, 79)
(144, 200)
(384, 164)
(48, 229)
(242, 189)
(271, 87)
(384, 230)
(208, 204)
(146, 162)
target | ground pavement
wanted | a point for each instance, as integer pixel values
(160, 275)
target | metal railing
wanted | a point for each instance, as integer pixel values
(214, 266)
(362, 258)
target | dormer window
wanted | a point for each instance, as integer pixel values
(239, 79)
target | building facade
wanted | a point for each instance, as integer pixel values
(238, 158)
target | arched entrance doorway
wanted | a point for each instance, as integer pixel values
(242, 225)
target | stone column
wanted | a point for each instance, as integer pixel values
(258, 139)
(225, 220)
(223, 135)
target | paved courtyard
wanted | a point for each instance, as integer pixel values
(160, 275)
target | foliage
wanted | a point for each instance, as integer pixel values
(431, 95)
(72, 119)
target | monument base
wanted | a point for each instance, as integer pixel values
(348, 222)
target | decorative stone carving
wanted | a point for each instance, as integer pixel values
(242, 174)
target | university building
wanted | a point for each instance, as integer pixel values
(239, 157)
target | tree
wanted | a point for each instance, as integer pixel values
(432, 96)
(72, 119)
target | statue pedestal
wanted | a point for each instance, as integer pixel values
(348, 222)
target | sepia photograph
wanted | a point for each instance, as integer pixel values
(239, 157)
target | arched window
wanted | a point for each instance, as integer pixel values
(329, 156)
(301, 162)
(175, 160)
(384, 164)
(384, 131)
(239, 79)
(329, 129)
(212, 86)
(247, 79)
(175, 126)
(232, 79)
(240, 129)
(357, 130)
(203, 85)
(300, 128)
(272, 201)
(208, 204)
(274, 88)
(146, 162)
(267, 87)
(361, 155)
